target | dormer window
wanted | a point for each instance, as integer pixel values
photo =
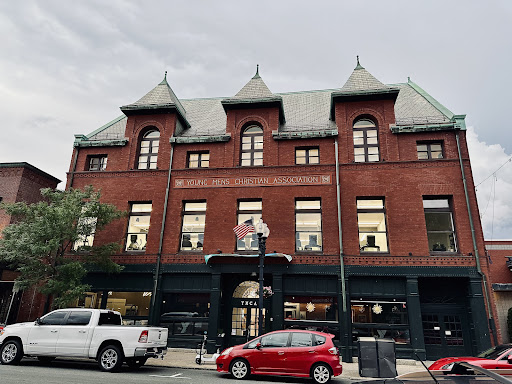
(252, 147)
(148, 151)
(366, 141)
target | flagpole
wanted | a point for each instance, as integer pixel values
(262, 231)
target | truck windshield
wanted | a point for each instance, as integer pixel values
(110, 318)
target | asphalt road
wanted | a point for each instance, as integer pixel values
(31, 371)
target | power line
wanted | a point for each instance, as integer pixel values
(494, 173)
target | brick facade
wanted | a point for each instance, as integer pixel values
(425, 282)
(20, 182)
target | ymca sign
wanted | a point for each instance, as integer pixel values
(252, 181)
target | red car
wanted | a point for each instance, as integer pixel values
(499, 357)
(290, 352)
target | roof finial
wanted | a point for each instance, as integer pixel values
(358, 66)
(165, 76)
(257, 75)
(408, 79)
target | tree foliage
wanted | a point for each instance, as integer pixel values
(42, 234)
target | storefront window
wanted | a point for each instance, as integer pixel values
(133, 306)
(313, 308)
(185, 314)
(381, 319)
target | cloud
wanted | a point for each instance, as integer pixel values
(493, 193)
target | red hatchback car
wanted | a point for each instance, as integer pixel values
(290, 352)
(499, 357)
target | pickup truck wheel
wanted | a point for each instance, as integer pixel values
(45, 359)
(136, 363)
(110, 358)
(11, 352)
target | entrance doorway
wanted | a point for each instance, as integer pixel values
(245, 312)
(445, 331)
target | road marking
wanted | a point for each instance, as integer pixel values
(175, 376)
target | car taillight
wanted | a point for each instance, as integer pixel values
(333, 351)
(143, 337)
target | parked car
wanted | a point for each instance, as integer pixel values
(460, 373)
(289, 352)
(499, 357)
(94, 333)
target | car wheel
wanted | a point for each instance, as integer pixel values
(321, 373)
(240, 369)
(11, 352)
(136, 363)
(45, 359)
(110, 358)
(198, 361)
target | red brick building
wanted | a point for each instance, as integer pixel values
(499, 254)
(367, 190)
(19, 182)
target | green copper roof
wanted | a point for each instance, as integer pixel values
(306, 112)
(445, 111)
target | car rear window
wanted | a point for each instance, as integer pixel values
(78, 318)
(110, 318)
(300, 339)
(319, 340)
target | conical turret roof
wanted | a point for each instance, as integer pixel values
(255, 92)
(362, 80)
(362, 85)
(159, 98)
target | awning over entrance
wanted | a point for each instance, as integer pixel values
(208, 257)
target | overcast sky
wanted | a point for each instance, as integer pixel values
(66, 67)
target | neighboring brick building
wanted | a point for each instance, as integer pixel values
(499, 253)
(382, 160)
(19, 182)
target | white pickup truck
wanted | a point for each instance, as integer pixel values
(75, 332)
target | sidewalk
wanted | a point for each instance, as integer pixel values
(185, 358)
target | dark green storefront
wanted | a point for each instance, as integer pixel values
(431, 311)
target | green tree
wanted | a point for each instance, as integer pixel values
(41, 235)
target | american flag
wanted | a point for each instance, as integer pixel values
(241, 230)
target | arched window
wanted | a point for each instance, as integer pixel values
(148, 151)
(366, 141)
(252, 147)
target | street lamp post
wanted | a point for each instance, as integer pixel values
(262, 231)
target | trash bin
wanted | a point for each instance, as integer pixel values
(387, 357)
(376, 357)
(367, 357)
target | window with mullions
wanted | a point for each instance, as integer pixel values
(148, 151)
(138, 227)
(366, 141)
(192, 231)
(440, 228)
(371, 221)
(252, 147)
(307, 155)
(86, 228)
(248, 210)
(429, 150)
(308, 225)
(97, 163)
(198, 160)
